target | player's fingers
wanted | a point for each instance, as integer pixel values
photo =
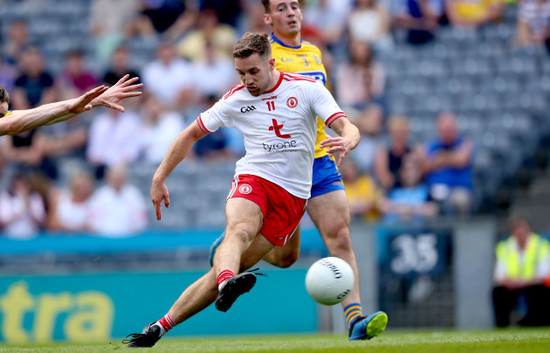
(133, 88)
(130, 81)
(167, 201)
(94, 93)
(115, 106)
(121, 81)
(341, 158)
(131, 94)
(157, 211)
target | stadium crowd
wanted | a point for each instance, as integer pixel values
(73, 176)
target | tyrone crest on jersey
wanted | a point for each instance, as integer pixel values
(292, 102)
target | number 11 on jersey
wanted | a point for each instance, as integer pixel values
(270, 105)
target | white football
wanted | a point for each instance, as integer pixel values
(329, 280)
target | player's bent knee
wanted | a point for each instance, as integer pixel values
(288, 259)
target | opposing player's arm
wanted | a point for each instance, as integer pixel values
(176, 153)
(347, 140)
(22, 120)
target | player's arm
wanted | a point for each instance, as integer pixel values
(176, 153)
(347, 140)
(22, 120)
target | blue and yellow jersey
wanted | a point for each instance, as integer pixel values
(8, 113)
(304, 59)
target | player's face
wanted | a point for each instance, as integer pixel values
(3, 109)
(285, 17)
(256, 73)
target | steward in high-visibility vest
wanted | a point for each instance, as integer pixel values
(522, 266)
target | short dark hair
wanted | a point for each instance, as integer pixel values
(266, 4)
(4, 95)
(252, 43)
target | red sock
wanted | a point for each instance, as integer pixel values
(167, 323)
(224, 276)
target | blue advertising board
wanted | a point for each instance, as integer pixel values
(89, 307)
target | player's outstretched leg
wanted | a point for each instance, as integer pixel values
(147, 338)
(330, 213)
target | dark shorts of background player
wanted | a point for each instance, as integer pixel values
(282, 211)
(326, 177)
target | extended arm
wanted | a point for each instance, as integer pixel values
(176, 153)
(22, 120)
(348, 138)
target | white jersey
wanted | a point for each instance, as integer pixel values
(279, 128)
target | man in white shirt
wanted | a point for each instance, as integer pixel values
(276, 113)
(169, 78)
(117, 209)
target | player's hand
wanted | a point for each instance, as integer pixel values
(83, 103)
(159, 192)
(123, 89)
(337, 144)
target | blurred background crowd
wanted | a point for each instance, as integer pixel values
(450, 97)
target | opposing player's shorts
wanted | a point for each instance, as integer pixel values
(326, 177)
(282, 211)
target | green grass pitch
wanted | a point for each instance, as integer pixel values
(509, 341)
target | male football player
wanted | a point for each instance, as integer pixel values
(277, 113)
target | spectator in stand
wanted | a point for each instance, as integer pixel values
(215, 75)
(169, 78)
(7, 74)
(22, 210)
(228, 11)
(120, 66)
(75, 79)
(370, 22)
(533, 25)
(473, 13)
(110, 22)
(253, 18)
(448, 166)
(69, 209)
(410, 201)
(117, 209)
(361, 81)
(363, 195)
(370, 127)
(170, 18)
(522, 265)
(222, 36)
(388, 160)
(16, 42)
(114, 139)
(35, 86)
(420, 18)
(321, 18)
(160, 128)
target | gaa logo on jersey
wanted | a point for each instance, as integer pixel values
(292, 102)
(245, 189)
(247, 109)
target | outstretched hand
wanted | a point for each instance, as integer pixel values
(337, 144)
(159, 192)
(123, 89)
(84, 102)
